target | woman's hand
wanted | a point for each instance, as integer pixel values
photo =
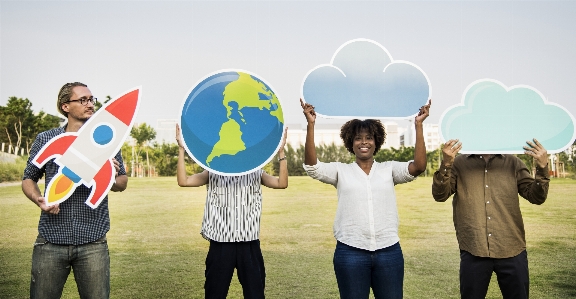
(308, 112)
(178, 137)
(423, 113)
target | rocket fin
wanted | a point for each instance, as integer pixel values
(56, 146)
(101, 184)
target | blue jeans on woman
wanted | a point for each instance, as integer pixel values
(358, 270)
(51, 264)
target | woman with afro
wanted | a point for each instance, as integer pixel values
(368, 253)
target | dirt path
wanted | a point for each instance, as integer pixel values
(6, 184)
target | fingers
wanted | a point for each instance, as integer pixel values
(178, 141)
(281, 148)
(285, 136)
(116, 165)
(55, 209)
(306, 106)
(537, 151)
(453, 146)
(534, 147)
(424, 111)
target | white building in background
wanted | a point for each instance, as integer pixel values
(330, 133)
(166, 130)
(323, 134)
(396, 136)
(431, 136)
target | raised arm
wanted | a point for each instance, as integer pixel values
(444, 180)
(195, 180)
(280, 182)
(121, 180)
(534, 190)
(419, 165)
(309, 147)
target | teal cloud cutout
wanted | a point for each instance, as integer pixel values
(363, 81)
(493, 118)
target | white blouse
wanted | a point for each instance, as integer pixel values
(367, 216)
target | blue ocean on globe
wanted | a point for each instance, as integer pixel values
(232, 123)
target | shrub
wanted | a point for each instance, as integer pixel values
(12, 171)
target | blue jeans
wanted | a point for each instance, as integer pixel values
(358, 270)
(51, 266)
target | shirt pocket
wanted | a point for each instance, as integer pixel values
(221, 197)
(251, 196)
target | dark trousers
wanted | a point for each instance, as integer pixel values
(223, 258)
(512, 275)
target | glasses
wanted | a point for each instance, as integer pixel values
(85, 101)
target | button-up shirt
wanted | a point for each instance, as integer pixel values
(76, 223)
(367, 216)
(486, 207)
(233, 207)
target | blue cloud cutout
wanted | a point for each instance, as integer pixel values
(363, 81)
(495, 119)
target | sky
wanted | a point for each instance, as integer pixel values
(168, 46)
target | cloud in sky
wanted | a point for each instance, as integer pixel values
(493, 118)
(363, 81)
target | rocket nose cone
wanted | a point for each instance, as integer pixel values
(124, 107)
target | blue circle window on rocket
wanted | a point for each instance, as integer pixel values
(103, 134)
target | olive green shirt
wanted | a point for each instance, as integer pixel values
(486, 206)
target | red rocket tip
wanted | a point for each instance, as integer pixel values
(124, 107)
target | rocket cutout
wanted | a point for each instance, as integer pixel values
(85, 157)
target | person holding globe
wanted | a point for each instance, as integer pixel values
(368, 253)
(231, 223)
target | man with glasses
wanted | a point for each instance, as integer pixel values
(72, 235)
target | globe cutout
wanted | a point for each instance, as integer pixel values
(231, 122)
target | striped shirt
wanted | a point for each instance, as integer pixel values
(367, 216)
(233, 207)
(76, 223)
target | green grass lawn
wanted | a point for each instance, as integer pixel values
(157, 252)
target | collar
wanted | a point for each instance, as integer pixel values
(474, 155)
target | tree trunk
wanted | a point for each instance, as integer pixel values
(147, 162)
(132, 172)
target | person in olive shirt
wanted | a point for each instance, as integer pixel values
(487, 217)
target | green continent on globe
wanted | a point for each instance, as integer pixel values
(245, 92)
(230, 141)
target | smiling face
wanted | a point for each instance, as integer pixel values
(364, 145)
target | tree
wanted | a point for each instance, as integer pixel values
(294, 160)
(20, 124)
(99, 104)
(142, 134)
(402, 154)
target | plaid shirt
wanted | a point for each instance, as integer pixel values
(77, 223)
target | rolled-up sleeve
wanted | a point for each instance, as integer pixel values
(324, 172)
(31, 171)
(118, 157)
(443, 184)
(535, 190)
(400, 173)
